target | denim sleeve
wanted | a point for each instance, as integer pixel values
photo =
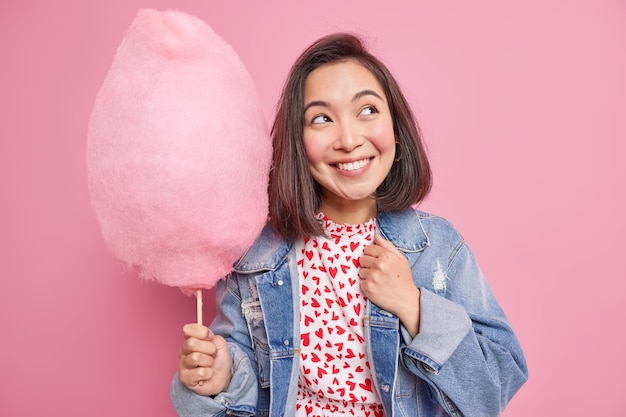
(466, 349)
(240, 399)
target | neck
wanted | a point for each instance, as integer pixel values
(349, 212)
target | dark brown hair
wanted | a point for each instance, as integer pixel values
(294, 196)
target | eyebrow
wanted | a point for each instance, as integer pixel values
(366, 93)
(357, 96)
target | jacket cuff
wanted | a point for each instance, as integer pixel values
(240, 398)
(443, 326)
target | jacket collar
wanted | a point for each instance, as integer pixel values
(404, 229)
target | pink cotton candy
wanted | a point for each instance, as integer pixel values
(178, 153)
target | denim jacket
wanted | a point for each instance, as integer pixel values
(465, 360)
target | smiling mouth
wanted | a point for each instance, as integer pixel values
(352, 166)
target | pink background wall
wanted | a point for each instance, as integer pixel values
(523, 109)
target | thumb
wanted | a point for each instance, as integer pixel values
(220, 342)
(209, 335)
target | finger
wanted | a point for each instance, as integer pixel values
(378, 247)
(193, 378)
(198, 345)
(383, 243)
(363, 275)
(369, 257)
(373, 250)
(197, 331)
(196, 360)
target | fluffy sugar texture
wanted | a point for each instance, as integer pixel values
(178, 153)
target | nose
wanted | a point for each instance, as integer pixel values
(349, 137)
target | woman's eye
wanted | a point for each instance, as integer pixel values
(320, 119)
(368, 110)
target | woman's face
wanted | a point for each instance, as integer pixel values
(348, 134)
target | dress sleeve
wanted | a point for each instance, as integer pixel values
(241, 397)
(466, 349)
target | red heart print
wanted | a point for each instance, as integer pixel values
(367, 386)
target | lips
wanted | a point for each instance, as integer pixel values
(352, 166)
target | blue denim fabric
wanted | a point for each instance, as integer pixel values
(465, 361)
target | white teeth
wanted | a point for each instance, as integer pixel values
(351, 166)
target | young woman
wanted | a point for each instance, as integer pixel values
(351, 302)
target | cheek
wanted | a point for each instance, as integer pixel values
(383, 138)
(313, 148)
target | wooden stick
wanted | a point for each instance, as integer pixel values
(199, 314)
(199, 305)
